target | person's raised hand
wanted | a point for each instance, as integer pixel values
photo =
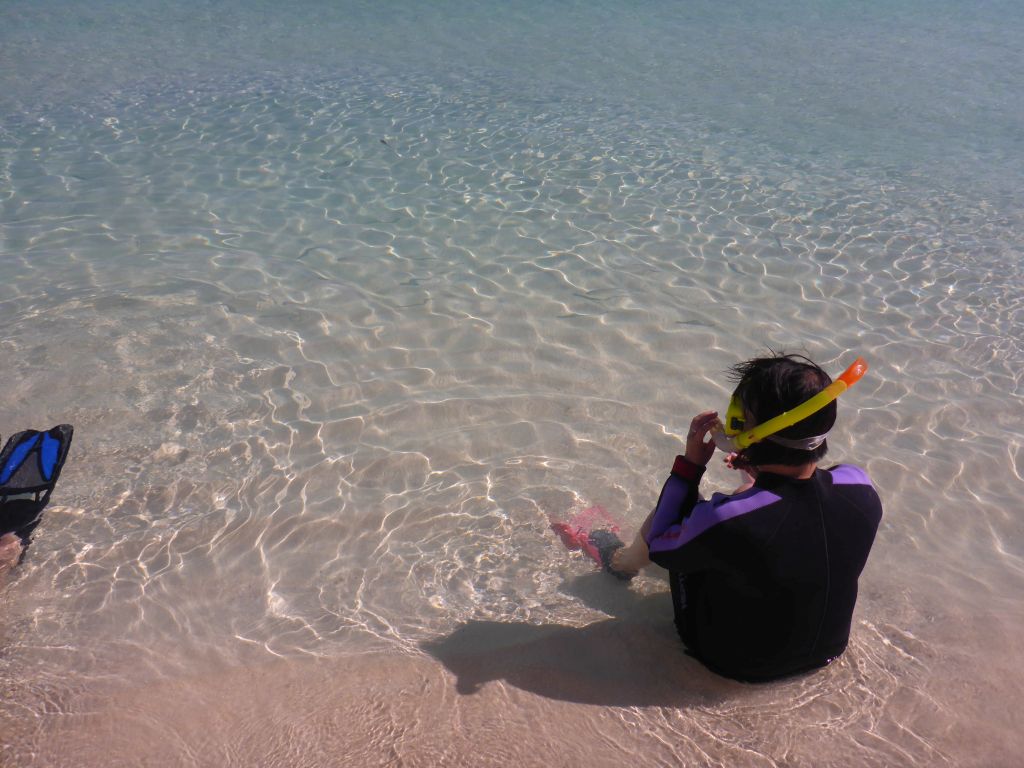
(699, 449)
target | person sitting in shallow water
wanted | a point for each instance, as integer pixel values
(764, 581)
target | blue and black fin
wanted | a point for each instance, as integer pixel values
(30, 464)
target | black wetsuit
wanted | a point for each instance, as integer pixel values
(764, 582)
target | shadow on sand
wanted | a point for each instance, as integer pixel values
(633, 659)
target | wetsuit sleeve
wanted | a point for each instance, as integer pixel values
(677, 499)
(697, 541)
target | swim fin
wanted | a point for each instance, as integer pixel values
(30, 464)
(597, 543)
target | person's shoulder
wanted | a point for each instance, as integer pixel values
(849, 474)
(853, 483)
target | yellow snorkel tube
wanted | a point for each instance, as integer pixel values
(731, 438)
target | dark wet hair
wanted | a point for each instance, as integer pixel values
(768, 386)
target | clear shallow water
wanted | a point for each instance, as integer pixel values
(345, 303)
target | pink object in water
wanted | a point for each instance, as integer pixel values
(575, 532)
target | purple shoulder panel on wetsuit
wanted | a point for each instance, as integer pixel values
(847, 474)
(708, 514)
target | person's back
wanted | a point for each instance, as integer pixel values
(764, 581)
(767, 585)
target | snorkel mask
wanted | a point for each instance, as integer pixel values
(732, 438)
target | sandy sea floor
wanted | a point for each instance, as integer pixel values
(346, 303)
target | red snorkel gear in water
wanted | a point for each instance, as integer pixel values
(731, 438)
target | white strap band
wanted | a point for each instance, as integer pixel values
(800, 444)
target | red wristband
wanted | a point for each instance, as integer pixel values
(687, 470)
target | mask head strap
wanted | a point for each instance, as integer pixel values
(801, 444)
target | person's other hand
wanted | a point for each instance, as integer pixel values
(747, 471)
(699, 449)
(739, 462)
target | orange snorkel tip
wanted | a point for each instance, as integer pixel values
(853, 374)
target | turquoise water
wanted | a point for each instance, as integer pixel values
(346, 300)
